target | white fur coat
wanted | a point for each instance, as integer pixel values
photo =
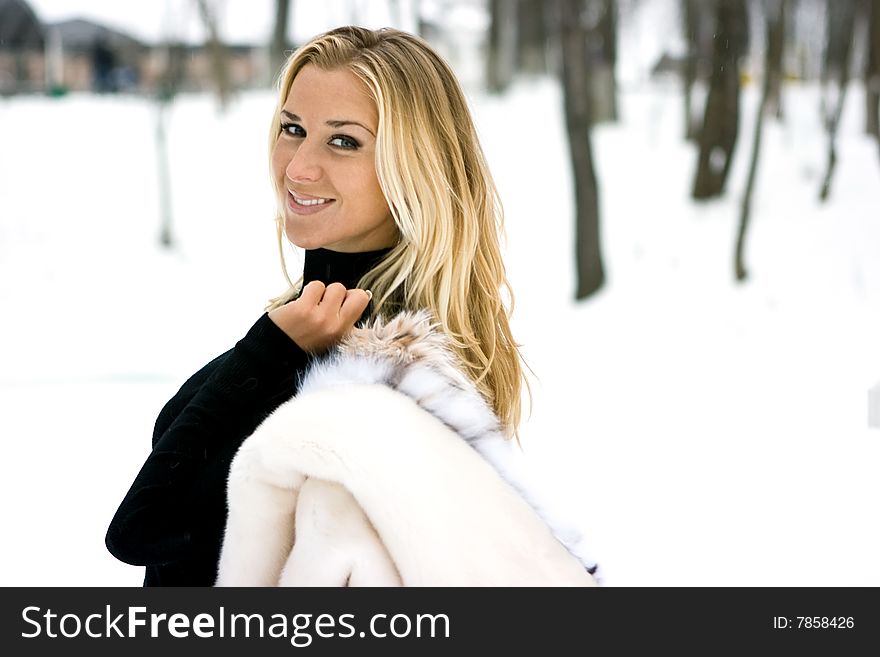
(388, 469)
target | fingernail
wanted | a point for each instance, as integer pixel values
(369, 294)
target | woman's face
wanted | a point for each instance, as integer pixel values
(324, 165)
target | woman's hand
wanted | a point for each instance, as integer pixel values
(321, 316)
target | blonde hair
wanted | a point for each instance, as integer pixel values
(435, 179)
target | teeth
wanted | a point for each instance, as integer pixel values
(314, 201)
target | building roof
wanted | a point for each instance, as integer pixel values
(79, 33)
(19, 26)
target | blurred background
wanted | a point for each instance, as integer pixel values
(692, 199)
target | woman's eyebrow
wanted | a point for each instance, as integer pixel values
(333, 123)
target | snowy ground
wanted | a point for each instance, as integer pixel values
(701, 432)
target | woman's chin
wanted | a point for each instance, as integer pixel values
(303, 242)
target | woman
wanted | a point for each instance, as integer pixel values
(380, 177)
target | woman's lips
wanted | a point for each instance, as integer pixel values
(307, 204)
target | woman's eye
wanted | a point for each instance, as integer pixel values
(293, 129)
(344, 142)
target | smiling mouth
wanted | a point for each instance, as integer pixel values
(307, 202)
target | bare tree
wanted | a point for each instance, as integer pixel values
(602, 47)
(775, 18)
(698, 26)
(689, 12)
(166, 230)
(835, 77)
(872, 71)
(501, 53)
(219, 57)
(280, 45)
(576, 92)
(171, 57)
(773, 58)
(720, 128)
(531, 36)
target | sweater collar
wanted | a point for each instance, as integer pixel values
(336, 267)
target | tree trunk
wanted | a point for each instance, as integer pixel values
(166, 235)
(773, 71)
(835, 77)
(775, 34)
(531, 37)
(501, 55)
(218, 54)
(603, 61)
(721, 122)
(576, 92)
(872, 71)
(689, 11)
(280, 45)
(698, 18)
(171, 76)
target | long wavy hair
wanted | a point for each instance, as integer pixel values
(435, 179)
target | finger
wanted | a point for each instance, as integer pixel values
(333, 297)
(312, 293)
(354, 304)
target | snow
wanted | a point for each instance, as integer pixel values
(708, 433)
(700, 432)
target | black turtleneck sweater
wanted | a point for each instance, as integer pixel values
(172, 518)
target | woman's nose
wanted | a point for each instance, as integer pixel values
(304, 165)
